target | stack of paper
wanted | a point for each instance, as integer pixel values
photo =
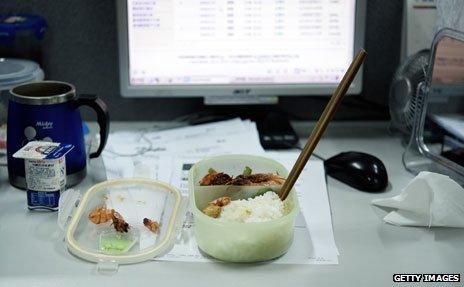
(453, 123)
(168, 155)
(157, 149)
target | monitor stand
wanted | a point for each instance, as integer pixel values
(275, 131)
(240, 100)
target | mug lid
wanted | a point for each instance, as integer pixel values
(43, 93)
(11, 24)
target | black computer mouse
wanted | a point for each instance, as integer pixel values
(359, 170)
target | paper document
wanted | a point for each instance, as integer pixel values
(169, 154)
(454, 124)
(314, 240)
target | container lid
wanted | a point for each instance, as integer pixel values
(152, 213)
(14, 72)
(10, 24)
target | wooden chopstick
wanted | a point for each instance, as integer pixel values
(322, 123)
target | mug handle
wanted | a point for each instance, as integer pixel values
(103, 118)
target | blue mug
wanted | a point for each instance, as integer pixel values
(49, 111)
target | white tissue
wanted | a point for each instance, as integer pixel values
(430, 199)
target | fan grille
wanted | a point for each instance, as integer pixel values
(404, 89)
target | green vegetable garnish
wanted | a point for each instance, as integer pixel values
(116, 244)
(212, 171)
(262, 191)
(247, 171)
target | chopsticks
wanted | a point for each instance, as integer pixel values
(322, 123)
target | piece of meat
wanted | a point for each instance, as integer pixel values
(269, 178)
(151, 224)
(221, 201)
(218, 178)
(263, 179)
(101, 214)
(212, 210)
(240, 180)
(119, 223)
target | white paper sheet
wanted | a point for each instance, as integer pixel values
(452, 123)
(237, 142)
(314, 240)
(314, 203)
(168, 155)
(157, 167)
(180, 134)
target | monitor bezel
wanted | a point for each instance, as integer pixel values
(201, 90)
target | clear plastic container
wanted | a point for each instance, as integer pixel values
(233, 241)
(13, 72)
(134, 199)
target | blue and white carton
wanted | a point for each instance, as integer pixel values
(45, 171)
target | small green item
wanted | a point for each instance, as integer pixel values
(212, 170)
(113, 243)
(262, 191)
(247, 171)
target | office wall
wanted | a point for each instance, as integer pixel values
(81, 47)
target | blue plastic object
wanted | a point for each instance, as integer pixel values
(49, 111)
(12, 24)
(60, 122)
(85, 129)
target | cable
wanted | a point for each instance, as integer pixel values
(297, 146)
(363, 109)
(370, 104)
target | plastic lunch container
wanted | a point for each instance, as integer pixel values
(14, 72)
(134, 199)
(233, 241)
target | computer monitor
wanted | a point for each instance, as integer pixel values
(237, 48)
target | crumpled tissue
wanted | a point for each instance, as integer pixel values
(430, 199)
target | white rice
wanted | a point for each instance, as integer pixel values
(259, 209)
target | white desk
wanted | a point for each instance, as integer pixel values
(370, 250)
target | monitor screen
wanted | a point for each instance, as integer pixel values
(238, 42)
